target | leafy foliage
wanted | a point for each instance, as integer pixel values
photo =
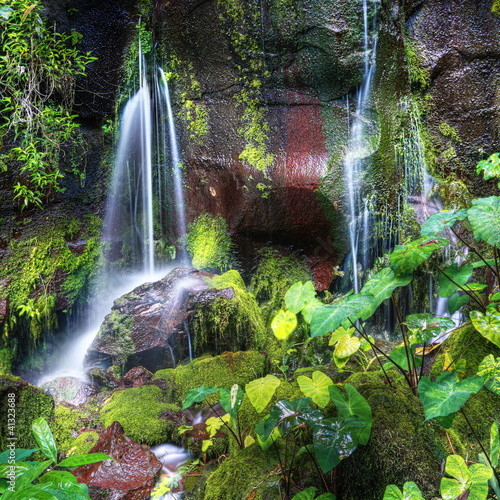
(283, 324)
(260, 391)
(38, 71)
(489, 370)
(484, 216)
(53, 485)
(410, 492)
(316, 387)
(490, 167)
(487, 324)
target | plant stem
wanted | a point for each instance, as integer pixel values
(480, 444)
(315, 462)
(473, 249)
(238, 440)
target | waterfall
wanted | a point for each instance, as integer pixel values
(358, 150)
(175, 160)
(139, 197)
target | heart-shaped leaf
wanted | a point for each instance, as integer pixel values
(289, 414)
(339, 333)
(489, 369)
(487, 324)
(261, 390)
(405, 258)
(327, 318)
(197, 395)
(336, 439)
(353, 403)
(490, 167)
(231, 399)
(410, 492)
(283, 324)
(441, 220)
(459, 275)
(299, 295)
(316, 388)
(346, 346)
(473, 480)
(456, 301)
(484, 217)
(447, 394)
(309, 309)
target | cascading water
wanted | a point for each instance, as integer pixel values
(130, 221)
(359, 148)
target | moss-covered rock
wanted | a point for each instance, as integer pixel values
(218, 371)
(228, 324)
(22, 403)
(273, 277)
(401, 448)
(250, 472)
(138, 410)
(209, 243)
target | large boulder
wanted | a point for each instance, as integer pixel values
(160, 324)
(131, 473)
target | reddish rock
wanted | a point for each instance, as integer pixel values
(137, 376)
(131, 476)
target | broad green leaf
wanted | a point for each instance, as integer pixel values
(327, 496)
(489, 369)
(197, 395)
(27, 478)
(231, 399)
(495, 297)
(398, 355)
(267, 432)
(307, 494)
(316, 388)
(33, 492)
(482, 263)
(405, 258)
(288, 414)
(473, 479)
(484, 217)
(58, 476)
(339, 333)
(346, 346)
(410, 492)
(459, 276)
(490, 167)
(424, 326)
(441, 220)
(488, 325)
(20, 455)
(214, 424)
(474, 287)
(456, 301)
(44, 438)
(493, 483)
(18, 467)
(309, 309)
(261, 390)
(446, 395)
(494, 444)
(382, 284)
(328, 318)
(353, 403)
(88, 458)
(336, 439)
(299, 295)
(283, 324)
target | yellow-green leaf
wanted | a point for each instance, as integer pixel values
(346, 346)
(316, 388)
(283, 324)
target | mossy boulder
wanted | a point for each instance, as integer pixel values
(28, 403)
(249, 474)
(224, 370)
(138, 410)
(402, 447)
(228, 324)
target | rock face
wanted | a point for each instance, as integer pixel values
(460, 46)
(295, 63)
(131, 476)
(152, 327)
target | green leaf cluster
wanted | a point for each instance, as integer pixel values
(21, 479)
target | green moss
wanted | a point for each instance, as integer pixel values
(273, 277)
(64, 427)
(138, 410)
(29, 403)
(218, 371)
(5, 362)
(495, 8)
(448, 131)
(209, 243)
(83, 443)
(42, 268)
(229, 324)
(242, 475)
(419, 76)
